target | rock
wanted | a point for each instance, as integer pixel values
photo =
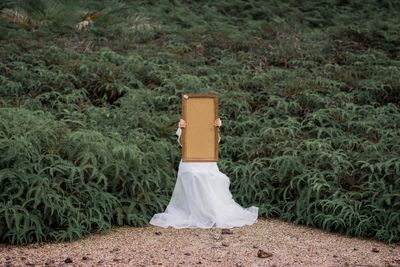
(85, 258)
(68, 260)
(224, 244)
(115, 249)
(49, 262)
(375, 250)
(157, 233)
(263, 254)
(29, 264)
(335, 256)
(254, 246)
(199, 262)
(217, 237)
(187, 253)
(226, 231)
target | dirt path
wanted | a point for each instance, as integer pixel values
(283, 244)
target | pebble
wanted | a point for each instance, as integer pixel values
(226, 231)
(263, 254)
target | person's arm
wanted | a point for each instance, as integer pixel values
(218, 123)
(182, 124)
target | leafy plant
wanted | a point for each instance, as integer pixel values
(90, 97)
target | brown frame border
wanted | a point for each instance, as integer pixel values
(183, 135)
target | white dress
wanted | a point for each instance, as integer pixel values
(201, 199)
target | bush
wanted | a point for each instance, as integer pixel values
(90, 98)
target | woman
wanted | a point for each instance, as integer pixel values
(201, 198)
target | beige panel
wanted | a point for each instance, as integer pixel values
(200, 137)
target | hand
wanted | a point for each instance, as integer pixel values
(218, 122)
(182, 123)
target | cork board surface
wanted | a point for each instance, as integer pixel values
(200, 136)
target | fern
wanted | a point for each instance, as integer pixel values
(90, 95)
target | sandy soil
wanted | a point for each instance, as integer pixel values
(269, 242)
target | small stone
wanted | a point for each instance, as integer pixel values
(187, 253)
(263, 254)
(29, 264)
(49, 262)
(226, 231)
(224, 244)
(115, 250)
(68, 260)
(199, 262)
(115, 259)
(335, 256)
(217, 237)
(254, 246)
(85, 258)
(157, 233)
(375, 250)
(355, 249)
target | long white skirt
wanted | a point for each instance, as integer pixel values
(201, 199)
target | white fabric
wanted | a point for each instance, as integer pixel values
(201, 199)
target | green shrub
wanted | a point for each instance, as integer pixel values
(90, 96)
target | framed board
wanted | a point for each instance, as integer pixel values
(200, 136)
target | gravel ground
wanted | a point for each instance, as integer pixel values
(269, 242)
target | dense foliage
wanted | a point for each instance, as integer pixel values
(90, 95)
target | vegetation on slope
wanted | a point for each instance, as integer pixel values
(90, 95)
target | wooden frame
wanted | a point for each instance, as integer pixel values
(200, 136)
